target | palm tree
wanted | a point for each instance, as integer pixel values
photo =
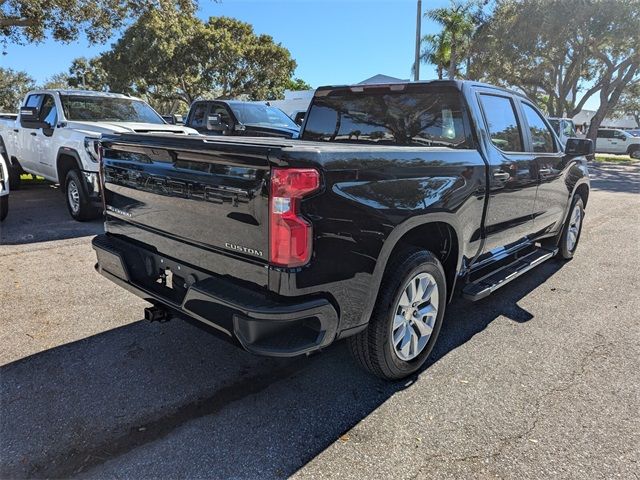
(457, 27)
(436, 51)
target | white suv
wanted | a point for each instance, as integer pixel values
(55, 136)
(611, 140)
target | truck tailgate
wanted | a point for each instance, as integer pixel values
(202, 199)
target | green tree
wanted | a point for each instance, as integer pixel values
(297, 84)
(436, 50)
(59, 81)
(167, 56)
(629, 103)
(25, 21)
(13, 87)
(88, 74)
(451, 46)
(573, 50)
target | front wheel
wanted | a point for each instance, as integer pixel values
(14, 176)
(635, 153)
(406, 319)
(78, 202)
(572, 229)
(4, 207)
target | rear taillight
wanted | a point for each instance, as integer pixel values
(289, 233)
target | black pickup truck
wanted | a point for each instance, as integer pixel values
(394, 198)
(236, 118)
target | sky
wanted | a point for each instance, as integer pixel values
(333, 41)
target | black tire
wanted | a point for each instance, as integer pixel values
(634, 152)
(4, 207)
(372, 348)
(566, 250)
(14, 176)
(81, 209)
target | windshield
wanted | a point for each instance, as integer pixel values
(555, 124)
(256, 114)
(108, 109)
(415, 117)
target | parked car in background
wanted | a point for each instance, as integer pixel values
(635, 133)
(4, 185)
(56, 133)
(236, 118)
(619, 142)
(395, 197)
(564, 128)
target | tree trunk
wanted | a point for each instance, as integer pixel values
(609, 96)
(453, 60)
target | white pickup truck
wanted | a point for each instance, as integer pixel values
(55, 136)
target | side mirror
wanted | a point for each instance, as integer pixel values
(579, 146)
(28, 114)
(214, 122)
(177, 119)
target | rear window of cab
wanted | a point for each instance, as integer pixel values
(382, 116)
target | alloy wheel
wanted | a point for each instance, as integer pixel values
(414, 316)
(73, 194)
(574, 228)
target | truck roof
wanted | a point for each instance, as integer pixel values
(86, 93)
(451, 83)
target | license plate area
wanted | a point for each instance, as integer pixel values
(167, 278)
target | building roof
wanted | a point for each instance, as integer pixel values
(380, 78)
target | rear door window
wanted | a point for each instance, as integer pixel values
(541, 136)
(502, 122)
(605, 133)
(408, 117)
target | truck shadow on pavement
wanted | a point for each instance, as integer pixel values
(38, 213)
(169, 400)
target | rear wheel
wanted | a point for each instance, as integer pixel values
(78, 202)
(572, 229)
(406, 319)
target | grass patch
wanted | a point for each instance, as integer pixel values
(608, 158)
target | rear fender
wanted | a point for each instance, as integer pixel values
(392, 242)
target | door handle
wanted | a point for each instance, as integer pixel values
(545, 171)
(501, 176)
(33, 134)
(16, 130)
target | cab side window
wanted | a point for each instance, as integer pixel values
(502, 122)
(619, 135)
(33, 101)
(541, 137)
(48, 111)
(224, 114)
(199, 119)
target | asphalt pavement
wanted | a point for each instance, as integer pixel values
(542, 379)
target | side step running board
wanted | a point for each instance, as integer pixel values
(488, 284)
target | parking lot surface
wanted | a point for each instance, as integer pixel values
(542, 379)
